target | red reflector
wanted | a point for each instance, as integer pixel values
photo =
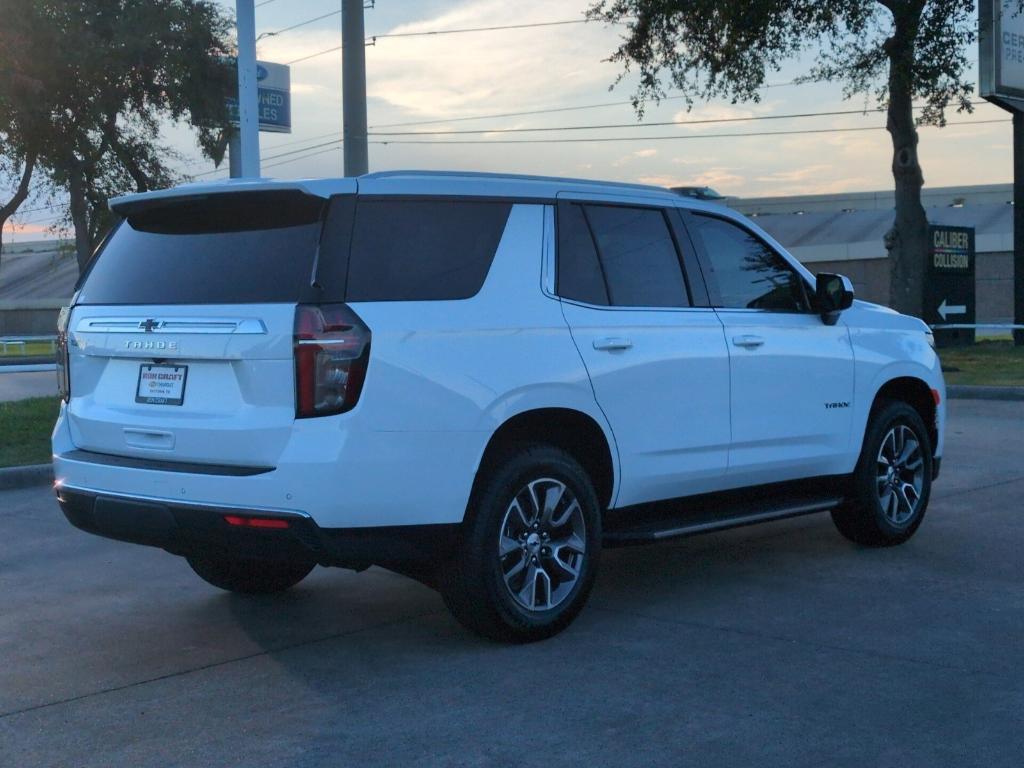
(936, 396)
(267, 522)
(255, 522)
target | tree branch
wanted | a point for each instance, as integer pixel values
(6, 211)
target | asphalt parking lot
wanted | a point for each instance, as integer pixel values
(776, 645)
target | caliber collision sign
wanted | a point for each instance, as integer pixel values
(949, 283)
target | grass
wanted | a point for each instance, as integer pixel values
(991, 363)
(25, 427)
(31, 349)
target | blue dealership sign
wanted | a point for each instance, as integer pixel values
(273, 82)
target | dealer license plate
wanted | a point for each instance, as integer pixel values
(161, 384)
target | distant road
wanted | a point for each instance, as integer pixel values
(21, 386)
(42, 274)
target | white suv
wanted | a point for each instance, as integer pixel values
(476, 380)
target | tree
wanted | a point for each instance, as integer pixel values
(21, 124)
(896, 51)
(111, 75)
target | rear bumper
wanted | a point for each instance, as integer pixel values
(338, 476)
(188, 529)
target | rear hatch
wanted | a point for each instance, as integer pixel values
(181, 337)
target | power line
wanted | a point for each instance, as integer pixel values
(670, 137)
(752, 134)
(265, 2)
(661, 123)
(300, 24)
(516, 114)
(314, 154)
(545, 111)
(371, 40)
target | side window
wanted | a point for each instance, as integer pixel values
(420, 250)
(638, 256)
(749, 274)
(579, 272)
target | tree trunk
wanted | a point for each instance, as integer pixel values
(80, 217)
(907, 241)
(20, 194)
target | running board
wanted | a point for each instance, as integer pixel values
(706, 515)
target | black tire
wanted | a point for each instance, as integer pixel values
(863, 518)
(478, 583)
(248, 576)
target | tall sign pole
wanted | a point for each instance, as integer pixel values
(1001, 70)
(248, 100)
(353, 88)
(1018, 225)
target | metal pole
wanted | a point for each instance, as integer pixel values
(1018, 225)
(235, 155)
(353, 88)
(248, 97)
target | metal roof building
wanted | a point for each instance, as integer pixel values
(844, 233)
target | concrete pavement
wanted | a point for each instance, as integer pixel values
(774, 645)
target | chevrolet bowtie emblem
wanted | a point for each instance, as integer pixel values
(149, 325)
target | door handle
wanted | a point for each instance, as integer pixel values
(748, 341)
(612, 344)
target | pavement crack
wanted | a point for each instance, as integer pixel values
(216, 664)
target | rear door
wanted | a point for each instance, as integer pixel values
(792, 376)
(180, 339)
(656, 358)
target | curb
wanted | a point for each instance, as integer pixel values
(976, 392)
(26, 477)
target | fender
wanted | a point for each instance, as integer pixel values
(577, 396)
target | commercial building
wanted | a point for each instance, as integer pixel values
(845, 233)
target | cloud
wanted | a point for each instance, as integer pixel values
(705, 112)
(499, 71)
(640, 154)
(721, 179)
(304, 88)
(797, 174)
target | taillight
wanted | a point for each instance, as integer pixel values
(63, 377)
(332, 349)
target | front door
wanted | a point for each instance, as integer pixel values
(791, 386)
(659, 366)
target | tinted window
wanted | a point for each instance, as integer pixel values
(639, 258)
(579, 273)
(418, 250)
(749, 274)
(219, 249)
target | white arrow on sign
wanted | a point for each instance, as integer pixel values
(951, 309)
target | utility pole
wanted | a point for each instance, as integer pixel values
(247, 139)
(353, 87)
(1018, 226)
(1001, 81)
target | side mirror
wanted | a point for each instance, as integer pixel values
(834, 294)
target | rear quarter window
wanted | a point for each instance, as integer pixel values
(418, 250)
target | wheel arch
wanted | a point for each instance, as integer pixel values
(577, 433)
(917, 393)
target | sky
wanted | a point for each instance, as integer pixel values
(448, 78)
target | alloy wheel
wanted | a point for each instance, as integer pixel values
(900, 474)
(542, 544)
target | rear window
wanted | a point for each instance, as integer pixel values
(219, 249)
(416, 250)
